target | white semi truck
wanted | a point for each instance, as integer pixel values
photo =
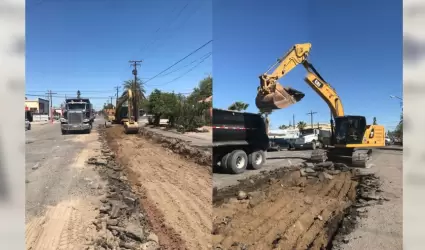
(313, 138)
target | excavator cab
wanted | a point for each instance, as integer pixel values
(277, 97)
(349, 129)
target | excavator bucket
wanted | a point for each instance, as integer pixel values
(131, 127)
(280, 98)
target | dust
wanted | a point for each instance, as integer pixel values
(175, 192)
(301, 207)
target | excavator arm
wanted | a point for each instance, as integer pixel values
(271, 95)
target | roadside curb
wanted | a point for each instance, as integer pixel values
(178, 146)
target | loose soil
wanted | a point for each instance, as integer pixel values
(296, 208)
(175, 192)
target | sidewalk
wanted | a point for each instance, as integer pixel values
(196, 139)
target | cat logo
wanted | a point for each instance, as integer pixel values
(317, 83)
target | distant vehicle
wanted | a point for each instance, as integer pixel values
(77, 115)
(313, 138)
(277, 144)
(27, 125)
(388, 141)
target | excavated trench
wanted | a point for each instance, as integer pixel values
(302, 207)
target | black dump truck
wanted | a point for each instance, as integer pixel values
(240, 141)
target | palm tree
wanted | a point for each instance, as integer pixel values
(301, 125)
(238, 106)
(138, 90)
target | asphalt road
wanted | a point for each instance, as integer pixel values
(52, 167)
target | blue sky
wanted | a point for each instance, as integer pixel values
(356, 47)
(86, 45)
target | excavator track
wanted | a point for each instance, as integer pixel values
(360, 158)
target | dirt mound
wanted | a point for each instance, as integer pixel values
(200, 156)
(121, 222)
(174, 192)
(301, 207)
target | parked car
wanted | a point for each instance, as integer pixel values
(277, 144)
(27, 125)
(388, 141)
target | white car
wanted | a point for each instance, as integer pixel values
(387, 141)
(27, 125)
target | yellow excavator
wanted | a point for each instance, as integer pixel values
(126, 117)
(351, 137)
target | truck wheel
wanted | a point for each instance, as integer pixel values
(223, 162)
(278, 148)
(257, 159)
(237, 162)
(313, 145)
(319, 144)
(63, 131)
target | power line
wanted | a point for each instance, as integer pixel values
(183, 73)
(192, 62)
(311, 113)
(172, 34)
(161, 28)
(191, 53)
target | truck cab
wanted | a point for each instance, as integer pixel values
(313, 138)
(77, 115)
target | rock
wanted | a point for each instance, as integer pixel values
(150, 245)
(130, 200)
(242, 195)
(128, 245)
(36, 166)
(308, 200)
(153, 237)
(325, 176)
(115, 211)
(319, 217)
(326, 164)
(123, 178)
(334, 172)
(112, 222)
(303, 173)
(105, 208)
(309, 170)
(308, 165)
(135, 232)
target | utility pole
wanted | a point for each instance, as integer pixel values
(111, 99)
(49, 94)
(311, 113)
(117, 88)
(293, 120)
(135, 63)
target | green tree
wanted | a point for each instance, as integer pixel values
(399, 129)
(301, 125)
(163, 104)
(283, 126)
(238, 106)
(374, 121)
(78, 94)
(202, 91)
(138, 89)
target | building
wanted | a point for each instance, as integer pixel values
(324, 126)
(39, 106)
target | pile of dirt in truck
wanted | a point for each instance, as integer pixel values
(302, 207)
(174, 191)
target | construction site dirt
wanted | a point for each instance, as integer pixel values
(301, 207)
(174, 190)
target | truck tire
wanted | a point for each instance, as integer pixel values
(237, 162)
(313, 145)
(257, 159)
(223, 162)
(63, 131)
